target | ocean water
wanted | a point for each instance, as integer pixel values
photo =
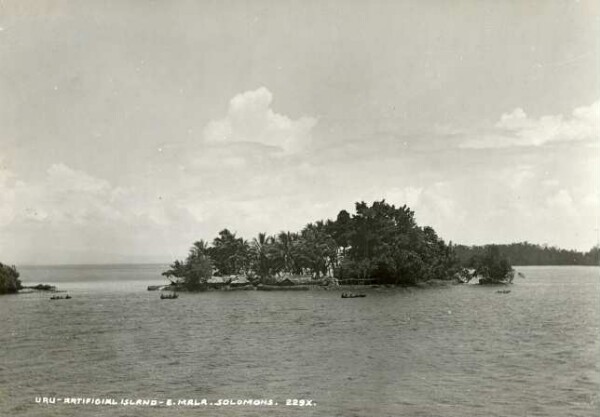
(455, 351)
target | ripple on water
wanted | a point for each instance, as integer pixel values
(457, 351)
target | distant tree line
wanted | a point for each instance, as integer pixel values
(525, 253)
(380, 243)
(9, 279)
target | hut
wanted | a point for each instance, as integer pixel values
(286, 282)
(216, 282)
(239, 281)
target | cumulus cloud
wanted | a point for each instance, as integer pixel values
(250, 118)
(64, 179)
(7, 195)
(69, 215)
(66, 195)
(562, 200)
(516, 128)
(408, 195)
(541, 195)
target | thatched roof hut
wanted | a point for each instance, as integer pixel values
(285, 282)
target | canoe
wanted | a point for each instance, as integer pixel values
(169, 296)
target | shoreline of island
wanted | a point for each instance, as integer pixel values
(379, 244)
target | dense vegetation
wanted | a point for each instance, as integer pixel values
(529, 254)
(491, 266)
(380, 244)
(195, 271)
(9, 279)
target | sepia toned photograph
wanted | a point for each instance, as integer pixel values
(299, 208)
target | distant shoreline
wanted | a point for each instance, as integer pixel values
(27, 266)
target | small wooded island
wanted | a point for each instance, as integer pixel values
(11, 284)
(9, 279)
(380, 244)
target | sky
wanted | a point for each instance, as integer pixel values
(130, 129)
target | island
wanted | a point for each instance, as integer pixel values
(9, 279)
(379, 245)
(11, 284)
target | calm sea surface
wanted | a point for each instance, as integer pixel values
(457, 351)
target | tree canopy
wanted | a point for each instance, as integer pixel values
(195, 271)
(9, 279)
(380, 243)
(492, 267)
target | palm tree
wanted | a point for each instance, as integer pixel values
(230, 253)
(317, 250)
(198, 248)
(284, 251)
(260, 253)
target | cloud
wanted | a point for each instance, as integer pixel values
(66, 195)
(238, 179)
(7, 195)
(250, 118)
(408, 195)
(562, 201)
(516, 129)
(69, 216)
(65, 179)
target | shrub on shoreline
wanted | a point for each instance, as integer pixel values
(492, 267)
(9, 279)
